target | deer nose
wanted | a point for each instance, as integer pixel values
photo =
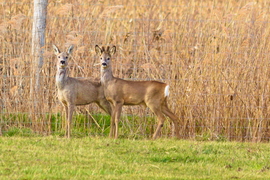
(104, 64)
(62, 62)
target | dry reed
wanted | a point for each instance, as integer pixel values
(212, 53)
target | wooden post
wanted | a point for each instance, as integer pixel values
(38, 42)
(38, 36)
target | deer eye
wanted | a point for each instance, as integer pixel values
(108, 58)
(66, 57)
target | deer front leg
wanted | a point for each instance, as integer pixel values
(112, 129)
(66, 118)
(117, 111)
(69, 119)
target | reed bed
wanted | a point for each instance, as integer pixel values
(214, 54)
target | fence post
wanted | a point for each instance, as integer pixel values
(38, 42)
(38, 35)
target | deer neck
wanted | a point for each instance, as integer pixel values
(61, 77)
(106, 75)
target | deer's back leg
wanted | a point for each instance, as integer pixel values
(173, 117)
(156, 108)
(105, 105)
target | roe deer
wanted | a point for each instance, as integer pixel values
(73, 92)
(121, 92)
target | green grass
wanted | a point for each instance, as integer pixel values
(82, 125)
(54, 157)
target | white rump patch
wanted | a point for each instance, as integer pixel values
(166, 91)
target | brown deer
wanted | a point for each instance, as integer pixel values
(121, 92)
(74, 92)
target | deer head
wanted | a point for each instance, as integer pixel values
(105, 55)
(62, 57)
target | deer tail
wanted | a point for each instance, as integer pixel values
(166, 91)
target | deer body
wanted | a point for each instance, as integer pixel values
(142, 91)
(121, 92)
(68, 91)
(74, 92)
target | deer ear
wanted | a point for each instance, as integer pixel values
(70, 49)
(98, 50)
(113, 50)
(56, 49)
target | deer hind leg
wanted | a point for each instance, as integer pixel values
(172, 116)
(157, 110)
(105, 105)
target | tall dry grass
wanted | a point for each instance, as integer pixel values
(214, 55)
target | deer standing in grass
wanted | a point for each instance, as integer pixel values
(73, 92)
(121, 92)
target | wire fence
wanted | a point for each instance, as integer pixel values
(213, 54)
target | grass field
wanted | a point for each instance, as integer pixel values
(53, 157)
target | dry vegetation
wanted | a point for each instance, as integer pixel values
(214, 54)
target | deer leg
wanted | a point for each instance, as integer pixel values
(117, 113)
(69, 119)
(160, 118)
(66, 116)
(112, 129)
(105, 105)
(174, 119)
